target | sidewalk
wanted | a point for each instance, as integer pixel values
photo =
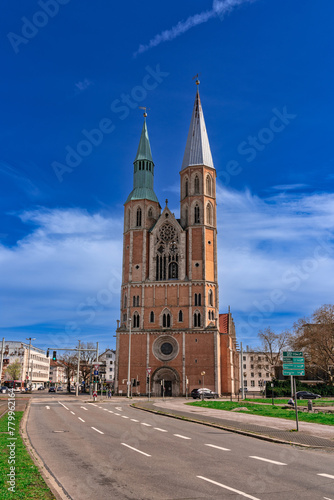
(268, 428)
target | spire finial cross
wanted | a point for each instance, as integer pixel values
(166, 202)
(197, 80)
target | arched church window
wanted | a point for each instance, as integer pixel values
(135, 320)
(198, 299)
(137, 300)
(180, 316)
(166, 320)
(208, 185)
(186, 216)
(196, 215)
(173, 272)
(124, 317)
(196, 184)
(125, 303)
(197, 319)
(128, 219)
(210, 298)
(209, 211)
(150, 213)
(151, 317)
(138, 224)
(134, 301)
(186, 188)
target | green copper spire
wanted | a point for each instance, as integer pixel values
(143, 170)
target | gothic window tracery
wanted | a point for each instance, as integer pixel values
(198, 299)
(136, 319)
(209, 217)
(208, 185)
(196, 184)
(166, 320)
(150, 213)
(125, 301)
(180, 316)
(167, 257)
(197, 319)
(151, 317)
(186, 188)
(210, 298)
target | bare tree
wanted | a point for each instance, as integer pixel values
(272, 344)
(87, 358)
(315, 338)
(68, 360)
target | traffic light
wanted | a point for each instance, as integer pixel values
(147, 380)
(54, 356)
(47, 353)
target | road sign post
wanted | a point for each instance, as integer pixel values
(149, 371)
(294, 365)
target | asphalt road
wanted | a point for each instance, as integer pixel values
(110, 450)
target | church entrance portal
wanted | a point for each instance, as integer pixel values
(167, 377)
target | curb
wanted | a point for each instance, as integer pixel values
(52, 482)
(226, 428)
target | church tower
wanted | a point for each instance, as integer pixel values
(169, 296)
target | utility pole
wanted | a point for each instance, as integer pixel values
(129, 362)
(97, 360)
(1, 360)
(30, 339)
(78, 371)
(242, 373)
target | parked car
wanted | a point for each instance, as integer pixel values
(59, 389)
(205, 393)
(41, 388)
(4, 389)
(52, 389)
(307, 395)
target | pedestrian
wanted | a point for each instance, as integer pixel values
(109, 394)
(291, 402)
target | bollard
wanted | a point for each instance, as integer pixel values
(310, 405)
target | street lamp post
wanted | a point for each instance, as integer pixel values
(78, 373)
(129, 362)
(203, 373)
(1, 360)
(30, 339)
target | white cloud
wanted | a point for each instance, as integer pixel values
(276, 257)
(219, 8)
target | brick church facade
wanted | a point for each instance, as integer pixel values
(169, 293)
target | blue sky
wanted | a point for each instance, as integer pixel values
(71, 67)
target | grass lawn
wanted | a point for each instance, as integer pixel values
(300, 402)
(267, 411)
(29, 482)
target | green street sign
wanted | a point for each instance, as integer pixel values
(296, 373)
(292, 353)
(293, 366)
(291, 359)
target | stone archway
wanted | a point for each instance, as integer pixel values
(171, 381)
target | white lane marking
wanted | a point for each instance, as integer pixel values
(118, 408)
(101, 407)
(326, 498)
(63, 405)
(110, 411)
(228, 488)
(47, 407)
(93, 404)
(117, 414)
(180, 436)
(72, 412)
(161, 430)
(80, 419)
(267, 460)
(147, 425)
(326, 475)
(218, 447)
(132, 419)
(124, 416)
(105, 409)
(97, 430)
(135, 449)
(83, 408)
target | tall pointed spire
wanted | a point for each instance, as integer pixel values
(197, 150)
(143, 172)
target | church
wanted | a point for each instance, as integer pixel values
(169, 311)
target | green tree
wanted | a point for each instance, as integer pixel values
(14, 370)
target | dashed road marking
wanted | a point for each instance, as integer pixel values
(72, 412)
(81, 419)
(218, 447)
(110, 411)
(267, 460)
(326, 475)
(117, 414)
(134, 420)
(97, 430)
(180, 436)
(135, 449)
(47, 407)
(147, 425)
(63, 405)
(228, 488)
(124, 416)
(93, 404)
(83, 408)
(161, 430)
(119, 408)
